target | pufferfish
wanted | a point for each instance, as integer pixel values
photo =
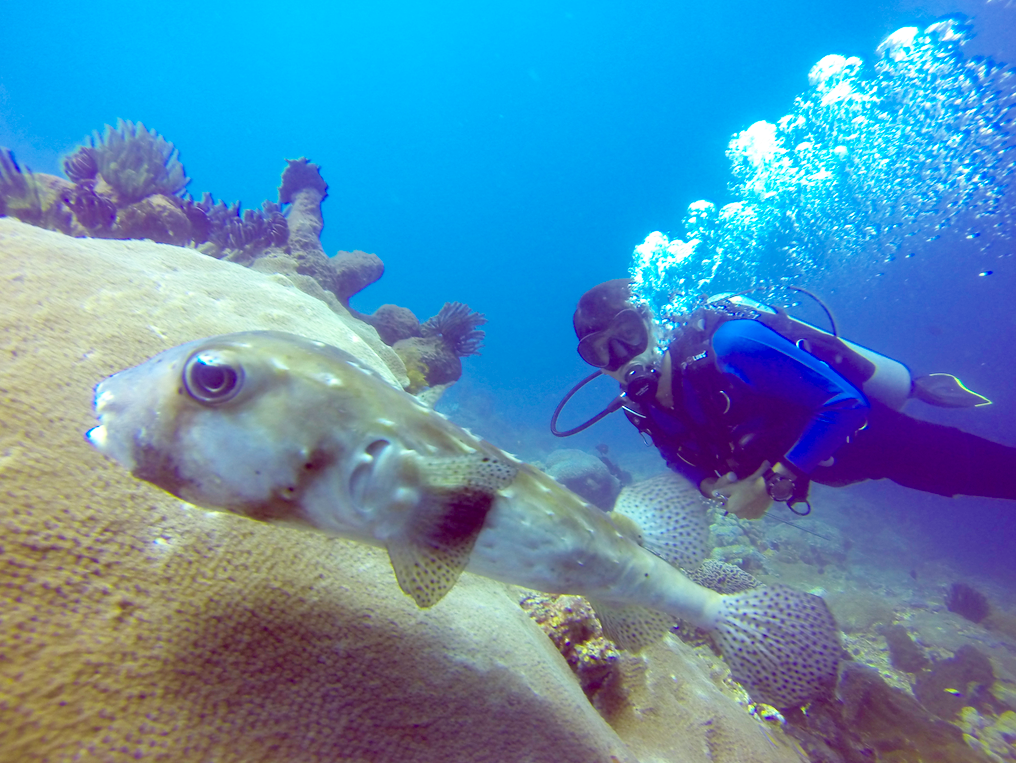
(278, 428)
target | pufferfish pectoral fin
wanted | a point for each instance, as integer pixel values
(434, 550)
(430, 554)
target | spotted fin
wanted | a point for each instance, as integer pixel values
(431, 395)
(632, 627)
(432, 551)
(669, 515)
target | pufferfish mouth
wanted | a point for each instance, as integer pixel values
(98, 437)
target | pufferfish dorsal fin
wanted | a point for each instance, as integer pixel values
(431, 395)
(430, 554)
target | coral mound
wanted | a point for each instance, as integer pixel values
(963, 680)
(967, 602)
(394, 323)
(584, 475)
(904, 654)
(871, 721)
(354, 272)
(136, 162)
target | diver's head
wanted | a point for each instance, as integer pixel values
(612, 330)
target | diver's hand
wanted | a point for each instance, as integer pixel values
(747, 498)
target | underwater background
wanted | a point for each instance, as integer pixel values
(511, 156)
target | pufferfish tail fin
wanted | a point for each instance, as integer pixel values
(946, 391)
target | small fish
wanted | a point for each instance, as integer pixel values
(954, 692)
(279, 428)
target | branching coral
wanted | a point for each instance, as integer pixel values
(27, 197)
(94, 211)
(81, 165)
(248, 234)
(457, 325)
(134, 161)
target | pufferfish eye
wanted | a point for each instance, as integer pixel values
(210, 379)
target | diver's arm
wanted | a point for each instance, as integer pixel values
(774, 367)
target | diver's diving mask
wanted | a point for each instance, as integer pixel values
(625, 337)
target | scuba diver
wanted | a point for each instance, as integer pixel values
(753, 405)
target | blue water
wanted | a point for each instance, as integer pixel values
(510, 156)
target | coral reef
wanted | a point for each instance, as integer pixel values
(904, 654)
(871, 721)
(128, 183)
(858, 611)
(81, 166)
(584, 474)
(134, 162)
(94, 212)
(994, 737)
(572, 625)
(429, 361)
(967, 602)
(157, 218)
(963, 680)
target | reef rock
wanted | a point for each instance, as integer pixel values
(394, 323)
(584, 474)
(305, 189)
(137, 627)
(354, 272)
(157, 218)
(429, 360)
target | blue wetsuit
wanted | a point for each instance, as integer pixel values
(761, 398)
(781, 404)
(775, 368)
